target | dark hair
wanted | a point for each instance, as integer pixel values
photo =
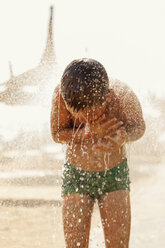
(84, 83)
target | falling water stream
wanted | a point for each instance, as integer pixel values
(31, 163)
(31, 167)
(30, 198)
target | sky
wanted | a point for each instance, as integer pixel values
(127, 37)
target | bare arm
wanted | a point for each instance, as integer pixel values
(61, 129)
(131, 115)
(133, 126)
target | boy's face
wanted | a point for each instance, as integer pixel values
(88, 114)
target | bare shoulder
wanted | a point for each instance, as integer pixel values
(129, 105)
(121, 89)
(124, 93)
(56, 94)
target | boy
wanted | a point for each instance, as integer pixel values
(95, 119)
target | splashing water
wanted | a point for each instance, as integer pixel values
(37, 156)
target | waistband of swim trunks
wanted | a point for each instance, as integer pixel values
(123, 163)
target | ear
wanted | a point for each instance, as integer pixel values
(109, 95)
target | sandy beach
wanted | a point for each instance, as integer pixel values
(31, 215)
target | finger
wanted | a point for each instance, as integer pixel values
(108, 123)
(116, 142)
(110, 132)
(110, 140)
(121, 129)
(114, 127)
(121, 134)
(101, 118)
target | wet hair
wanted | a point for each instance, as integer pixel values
(84, 84)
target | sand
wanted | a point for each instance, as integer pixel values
(40, 225)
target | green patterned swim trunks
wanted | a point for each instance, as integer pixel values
(95, 184)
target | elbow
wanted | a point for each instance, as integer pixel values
(136, 132)
(141, 132)
(54, 133)
(143, 128)
(55, 137)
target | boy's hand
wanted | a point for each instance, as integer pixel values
(101, 130)
(111, 144)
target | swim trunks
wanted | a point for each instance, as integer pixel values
(95, 184)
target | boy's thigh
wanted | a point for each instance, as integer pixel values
(115, 204)
(77, 206)
(77, 211)
(77, 200)
(115, 213)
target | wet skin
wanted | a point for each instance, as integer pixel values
(98, 132)
(108, 124)
(109, 127)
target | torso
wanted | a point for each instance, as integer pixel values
(81, 154)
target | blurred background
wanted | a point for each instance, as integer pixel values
(38, 40)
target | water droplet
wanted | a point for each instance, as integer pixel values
(108, 241)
